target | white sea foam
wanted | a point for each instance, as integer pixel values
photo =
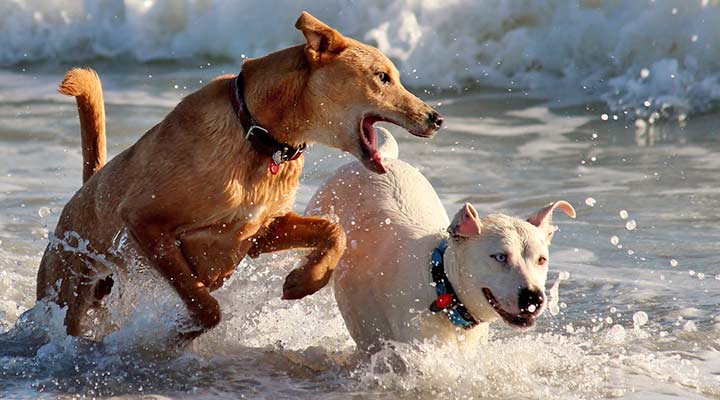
(647, 59)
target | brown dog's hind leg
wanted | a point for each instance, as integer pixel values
(79, 295)
(295, 231)
(69, 280)
(77, 278)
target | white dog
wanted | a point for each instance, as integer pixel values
(409, 274)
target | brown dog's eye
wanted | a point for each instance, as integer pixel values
(542, 261)
(384, 78)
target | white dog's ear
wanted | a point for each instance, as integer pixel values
(322, 41)
(543, 218)
(466, 222)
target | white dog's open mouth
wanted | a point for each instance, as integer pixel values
(521, 320)
(369, 142)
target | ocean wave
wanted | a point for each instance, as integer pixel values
(646, 59)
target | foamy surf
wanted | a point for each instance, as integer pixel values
(268, 347)
(650, 60)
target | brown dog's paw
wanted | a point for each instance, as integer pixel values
(302, 282)
(206, 311)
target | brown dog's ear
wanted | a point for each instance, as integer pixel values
(543, 218)
(322, 41)
(466, 222)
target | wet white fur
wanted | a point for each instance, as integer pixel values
(393, 222)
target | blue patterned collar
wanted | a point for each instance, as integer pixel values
(447, 300)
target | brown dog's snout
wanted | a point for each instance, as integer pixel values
(435, 119)
(530, 301)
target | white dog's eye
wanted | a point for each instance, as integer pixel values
(542, 261)
(499, 257)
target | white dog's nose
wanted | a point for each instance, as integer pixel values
(530, 301)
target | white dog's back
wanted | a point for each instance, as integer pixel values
(356, 195)
(360, 197)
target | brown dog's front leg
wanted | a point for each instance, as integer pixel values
(162, 248)
(295, 231)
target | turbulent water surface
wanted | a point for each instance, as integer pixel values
(638, 270)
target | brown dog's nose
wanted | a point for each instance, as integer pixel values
(530, 301)
(436, 119)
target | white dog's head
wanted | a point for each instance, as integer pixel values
(498, 264)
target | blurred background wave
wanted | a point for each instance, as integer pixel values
(646, 59)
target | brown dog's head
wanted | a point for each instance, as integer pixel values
(350, 87)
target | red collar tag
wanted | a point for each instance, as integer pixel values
(273, 167)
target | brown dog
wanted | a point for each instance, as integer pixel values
(197, 193)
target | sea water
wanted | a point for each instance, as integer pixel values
(588, 101)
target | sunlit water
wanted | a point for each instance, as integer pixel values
(637, 316)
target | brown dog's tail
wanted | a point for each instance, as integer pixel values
(85, 85)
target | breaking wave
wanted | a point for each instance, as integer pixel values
(646, 59)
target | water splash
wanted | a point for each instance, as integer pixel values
(554, 298)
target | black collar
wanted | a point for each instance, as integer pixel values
(263, 142)
(447, 300)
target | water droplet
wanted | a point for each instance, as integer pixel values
(387, 221)
(673, 263)
(644, 73)
(44, 212)
(604, 117)
(691, 272)
(623, 214)
(689, 327)
(616, 334)
(694, 38)
(613, 310)
(608, 320)
(631, 225)
(564, 275)
(640, 318)
(531, 308)
(700, 275)
(614, 240)
(590, 202)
